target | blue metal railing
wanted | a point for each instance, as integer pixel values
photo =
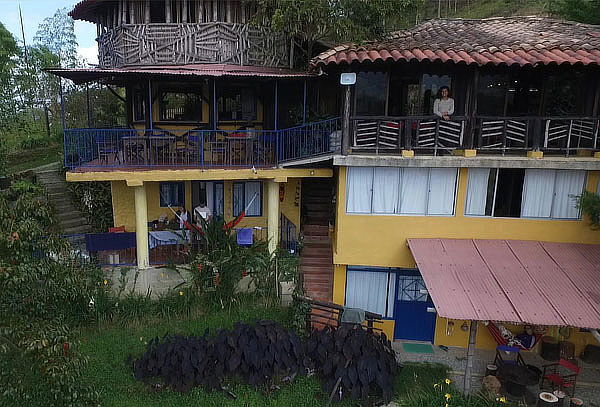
(197, 148)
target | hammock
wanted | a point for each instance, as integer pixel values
(501, 340)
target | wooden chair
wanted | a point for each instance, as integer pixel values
(560, 376)
(508, 355)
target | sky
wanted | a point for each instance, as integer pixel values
(35, 11)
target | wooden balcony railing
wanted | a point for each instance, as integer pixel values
(188, 43)
(493, 134)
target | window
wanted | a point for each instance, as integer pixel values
(500, 94)
(523, 193)
(219, 200)
(565, 94)
(371, 90)
(180, 106)
(237, 104)
(373, 291)
(172, 194)
(414, 94)
(247, 194)
(406, 191)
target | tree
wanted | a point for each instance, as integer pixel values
(57, 34)
(583, 11)
(8, 51)
(311, 21)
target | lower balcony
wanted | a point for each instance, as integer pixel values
(163, 148)
(487, 134)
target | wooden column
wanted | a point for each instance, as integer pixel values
(346, 121)
(87, 101)
(199, 11)
(147, 12)
(228, 16)
(168, 11)
(215, 114)
(304, 96)
(184, 11)
(215, 10)
(132, 13)
(150, 110)
(470, 357)
(276, 107)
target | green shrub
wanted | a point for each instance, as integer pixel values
(589, 203)
(94, 200)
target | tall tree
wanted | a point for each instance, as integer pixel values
(311, 21)
(8, 53)
(57, 34)
(583, 11)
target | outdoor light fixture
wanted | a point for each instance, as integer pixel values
(348, 78)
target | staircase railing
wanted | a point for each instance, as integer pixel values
(288, 235)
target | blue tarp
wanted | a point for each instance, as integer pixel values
(245, 237)
(96, 242)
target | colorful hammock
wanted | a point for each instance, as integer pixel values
(501, 340)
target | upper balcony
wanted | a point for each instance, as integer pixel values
(179, 32)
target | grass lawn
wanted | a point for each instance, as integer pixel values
(108, 348)
(35, 157)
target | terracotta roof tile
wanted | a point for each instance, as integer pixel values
(493, 41)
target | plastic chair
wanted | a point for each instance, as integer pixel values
(560, 376)
(245, 237)
(508, 355)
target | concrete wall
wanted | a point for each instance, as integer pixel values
(381, 241)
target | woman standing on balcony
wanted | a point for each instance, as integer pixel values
(444, 105)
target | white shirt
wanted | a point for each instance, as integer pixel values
(184, 217)
(443, 107)
(202, 211)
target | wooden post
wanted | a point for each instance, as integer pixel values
(346, 121)
(87, 100)
(62, 105)
(215, 10)
(200, 11)
(132, 13)
(147, 12)
(123, 12)
(167, 11)
(276, 117)
(470, 357)
(214, 104)
(304, 91)
(184, 11)
(228, 11)
(150, 119)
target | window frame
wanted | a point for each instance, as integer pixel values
(222, 185)
(238, 88)
(195, 91)
(259, 198)
(401, 180)
(497, 169)
(179, 184)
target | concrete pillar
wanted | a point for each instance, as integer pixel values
(273, 214)
(141, 227)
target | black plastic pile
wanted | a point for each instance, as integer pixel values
(350, 360)
(255, 354)
(353, 362)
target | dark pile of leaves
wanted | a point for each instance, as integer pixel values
(353, 362)
(254, 354)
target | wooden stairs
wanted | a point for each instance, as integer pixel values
(316, 258)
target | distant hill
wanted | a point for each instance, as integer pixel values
(428, 9)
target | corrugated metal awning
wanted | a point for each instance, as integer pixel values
(516, 281)
(82, 75)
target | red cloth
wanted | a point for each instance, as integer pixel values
(495, 332)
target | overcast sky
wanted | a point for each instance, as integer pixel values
(35, 11)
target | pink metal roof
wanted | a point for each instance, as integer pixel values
(514, 281)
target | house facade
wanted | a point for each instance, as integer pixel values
(216, 115)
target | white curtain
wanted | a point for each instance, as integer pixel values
(442, 188)
(477, 190)
(252, 189)
(210, 201)
(367, 290)
(219, 204)
(386, 183)
(391, 298)
(538, 191)
(568, 184)
(359, 189)
(413, 193)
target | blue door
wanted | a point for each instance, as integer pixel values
(414, 321)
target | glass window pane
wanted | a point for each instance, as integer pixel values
(238, 198)
(367, 290)
(371, 90)
(430, 90)
(219, 200)
(442, 191)
(253, 191)
(359, 189)
(413, 192)
(509, 192)
(237, 104)
(410, 287)
(491, 94)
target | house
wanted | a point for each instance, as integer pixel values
(443, 222)
(432, 223)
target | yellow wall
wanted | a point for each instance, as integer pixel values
(375, 240)
(124, 213)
